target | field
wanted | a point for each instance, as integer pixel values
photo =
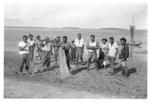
(82, 84)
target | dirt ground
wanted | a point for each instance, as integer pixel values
(81, 84)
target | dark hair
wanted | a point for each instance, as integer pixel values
(104, 39)
(65, 37)
(112, 38)
(92, 36)
(124, 39)
(58, 36)
(30, 35)
(38, 36)
(79, 33)
(25, 36)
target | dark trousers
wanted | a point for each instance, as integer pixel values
(24, 62)
(46, 61)
(31, 53)
(73, 54)
(67, 58)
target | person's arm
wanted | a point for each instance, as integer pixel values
(22, 48)
(117, 50)
(87, 46)
(68, 46)
(97, 45)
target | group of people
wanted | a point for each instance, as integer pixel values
(31, 49)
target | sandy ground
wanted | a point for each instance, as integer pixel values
(82, 84)
(38, 90)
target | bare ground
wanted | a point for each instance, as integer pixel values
(82, 84)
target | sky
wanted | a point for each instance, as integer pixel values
(94, 15)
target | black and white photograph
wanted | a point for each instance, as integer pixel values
(93, 50)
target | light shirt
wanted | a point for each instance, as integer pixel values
(47, 47)
(38, 43)
(112, 49)
(104, 48)
(25, 46)
(92, 44)
(79, 43)
(31, 42)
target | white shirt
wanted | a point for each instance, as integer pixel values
(92, 44)
(31, 42)
(112, 49)
(104, 47)
(47, 47)
(79, 43)
(25, 46)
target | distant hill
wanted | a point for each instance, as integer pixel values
(67, 28)
(113, 29)
(70, 28)
(24, 27)
(121, 29)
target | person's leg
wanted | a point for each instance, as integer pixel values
(80, 55)
(55, 55)
(77, 55)
(22, 63)
(104, 62)
(112, 65)
(68, 59)
(27, 61)
(124, 67)
(89, 60)
(40, 53)
(94, 55)
(32, 54)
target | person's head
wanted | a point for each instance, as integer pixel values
(47, 39)
(111, 39)
(58, 38)
(123, 41)
(92, 38)
(79, 35)
(73, 42)
(64, 39)
(30, 36)
(104, 40)
(38, 37)
(25, 37)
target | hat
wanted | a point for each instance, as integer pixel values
(124, 39)
(104, 39)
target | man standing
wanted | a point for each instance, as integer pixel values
(66, 47)
(57, 45)
(123, 55)
(31, 42)
(104, 47)
(112, 53)
(24, 54)
(79, 43)
(46, 51)
(38, 48)
(92, 46)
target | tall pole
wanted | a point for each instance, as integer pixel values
(132, 27)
